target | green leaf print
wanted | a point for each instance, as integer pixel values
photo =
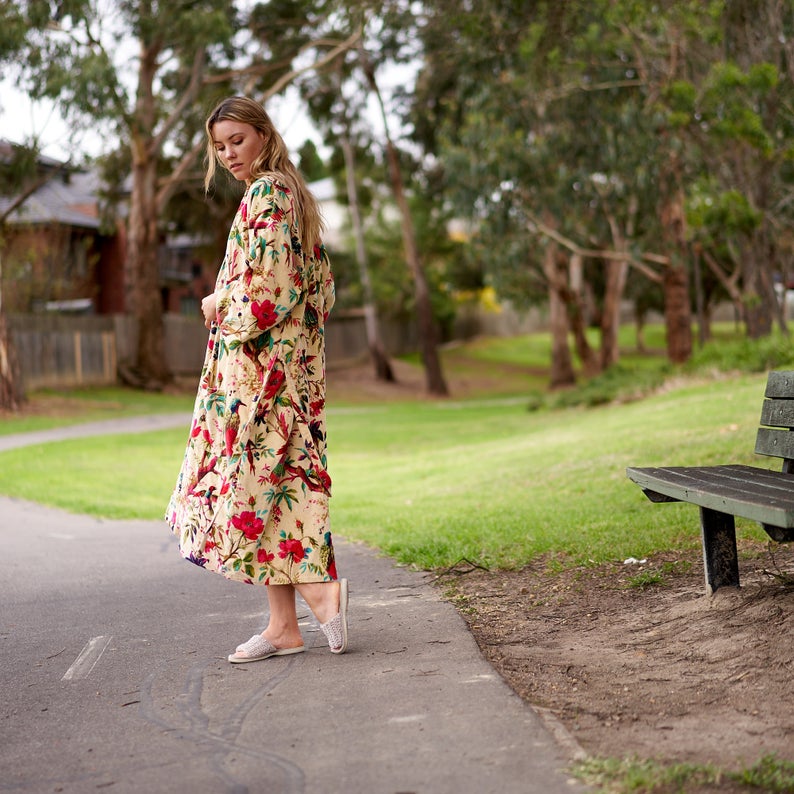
(215, 401)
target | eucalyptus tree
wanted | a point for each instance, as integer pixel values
(546, 118)
(339, 104)
(737, 118)
(20, 177)
(337, 115)
(145, 72)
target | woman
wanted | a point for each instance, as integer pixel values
(251, 500)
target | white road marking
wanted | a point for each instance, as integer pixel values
(89, 656)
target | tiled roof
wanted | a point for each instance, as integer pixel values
(67, 199)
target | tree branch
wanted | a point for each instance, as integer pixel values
(168, 185)
(597, 253)
(326, 59)
(19, 200)
(572, 88)
(188, 95)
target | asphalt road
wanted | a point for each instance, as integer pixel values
(114, 677)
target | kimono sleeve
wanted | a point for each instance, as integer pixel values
(270, 285)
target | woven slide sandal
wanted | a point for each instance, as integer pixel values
(258, 648)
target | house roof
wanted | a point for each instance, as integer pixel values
(69, 201)
(68, 198)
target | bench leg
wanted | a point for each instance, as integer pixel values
(720, 558)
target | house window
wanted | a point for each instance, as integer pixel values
(77, 257)
(188, 305)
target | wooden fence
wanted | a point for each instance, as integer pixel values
(63, 351)
(59, 351)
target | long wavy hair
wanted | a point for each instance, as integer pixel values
(272, 160)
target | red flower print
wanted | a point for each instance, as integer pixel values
(265, 313)
(274, 383)
(249, 524)
(264, 556)
(325, 479)
(291, 547)
(209, 545)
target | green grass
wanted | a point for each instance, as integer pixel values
(119, 477)
(638, 776)
(50, 408)
(432, 482)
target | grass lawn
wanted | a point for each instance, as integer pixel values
(49, 408)
(431, 482)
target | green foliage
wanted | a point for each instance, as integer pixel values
(584, 120)
(621, 382)
(769, 774)
(775, 351)
(651, 575)
(12, 30)
(645, 579)
(310, 162)
(713, 213)
(645, 776)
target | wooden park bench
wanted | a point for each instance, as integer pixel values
(723, 492)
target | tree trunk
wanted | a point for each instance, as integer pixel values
(758, 295)
(576, 316)
(616, 275)
(150, 369)
(11, 394)
(677, 314)
(380, 359)
(562, 373)
(703, 318)
(428, 335)
(675, 279)
(146, 305)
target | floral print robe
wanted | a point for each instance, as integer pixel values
(251, 499)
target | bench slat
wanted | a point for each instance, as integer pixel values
(777, 443)
(780, 384)
(758, 494)
(778, 413)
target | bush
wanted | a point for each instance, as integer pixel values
(744, 355)
(620, 383)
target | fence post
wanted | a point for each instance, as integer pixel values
(78, 356)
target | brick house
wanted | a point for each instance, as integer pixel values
(57, 255)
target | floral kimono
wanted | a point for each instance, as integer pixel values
(251, 500)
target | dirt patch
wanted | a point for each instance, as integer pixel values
(356, 382)
(662, 671)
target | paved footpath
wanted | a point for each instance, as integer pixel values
(114, 676)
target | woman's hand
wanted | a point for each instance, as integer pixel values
(209, 310)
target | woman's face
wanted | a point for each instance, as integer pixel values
(237, 144)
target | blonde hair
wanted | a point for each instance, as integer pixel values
(272, 160)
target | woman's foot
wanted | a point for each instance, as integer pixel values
(336, 628)
(258, 648)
